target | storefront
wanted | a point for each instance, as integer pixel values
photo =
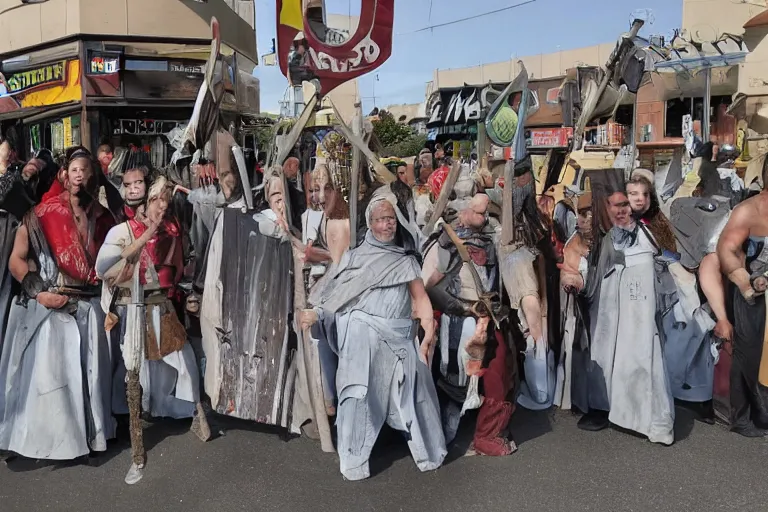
(99, 93)
(70, 85)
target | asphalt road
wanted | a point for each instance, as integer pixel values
(557, 467)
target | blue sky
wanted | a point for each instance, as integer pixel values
(540, 27)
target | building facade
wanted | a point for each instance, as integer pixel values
(663, 101)
(118, 71)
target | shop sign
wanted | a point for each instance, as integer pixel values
(549, 137)
(143, 126)
(45, 75)
(104, 65)
(456, 107)
(67, 132)
(466, 105)
(192, 69)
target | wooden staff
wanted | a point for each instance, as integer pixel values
(355, 177)
(133, 355)
(287, 146)
(383, 174)
(762, 377)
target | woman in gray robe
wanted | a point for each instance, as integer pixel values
(365, 308)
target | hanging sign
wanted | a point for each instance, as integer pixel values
(68, 132)
(549, 137)
(101, 65)
(45, 75)
(192, 69)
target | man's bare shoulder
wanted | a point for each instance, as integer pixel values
(749, 211)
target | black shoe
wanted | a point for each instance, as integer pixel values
(703, 411)
(594, 421)
(749, 431)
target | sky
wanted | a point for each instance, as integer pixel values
(543, 26)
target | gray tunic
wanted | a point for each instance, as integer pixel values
(365, 310)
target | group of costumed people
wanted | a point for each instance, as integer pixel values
(422, 318)
(74, 242)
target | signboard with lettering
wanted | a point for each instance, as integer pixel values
(465, 105)
(104, 65)
(142, 126)
(548, 137)
(42, 86)
(67, 131)
(192, 69)
(45, 75)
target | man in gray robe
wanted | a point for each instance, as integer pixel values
(365, 307)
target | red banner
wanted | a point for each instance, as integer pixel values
(365, 50)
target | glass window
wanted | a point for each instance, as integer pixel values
(146, 65)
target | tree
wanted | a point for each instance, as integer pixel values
(389, 131)
(397, 139)
(409, 147)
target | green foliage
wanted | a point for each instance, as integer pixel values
(263, 141)
(389, 131)
(397, 139)
(409, 147)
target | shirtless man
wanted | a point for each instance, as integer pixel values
(743, 255)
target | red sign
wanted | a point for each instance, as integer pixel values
(549, 137)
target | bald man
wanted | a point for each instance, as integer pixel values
(465, 333)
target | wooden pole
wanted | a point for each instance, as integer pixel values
(383, 174)
(287, 146)
(354, 193)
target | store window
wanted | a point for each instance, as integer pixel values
(56, 134)
(146, 65)
(677, 108)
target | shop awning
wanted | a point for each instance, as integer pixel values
(687, 57)
(33, 114)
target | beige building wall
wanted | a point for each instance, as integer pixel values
(344, 97)
(409, 110)
(548, 65)
(753, 73)
(707, 20)
(34, 24)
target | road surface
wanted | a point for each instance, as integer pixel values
(558, 467)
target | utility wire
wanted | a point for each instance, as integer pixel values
(468, 18)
